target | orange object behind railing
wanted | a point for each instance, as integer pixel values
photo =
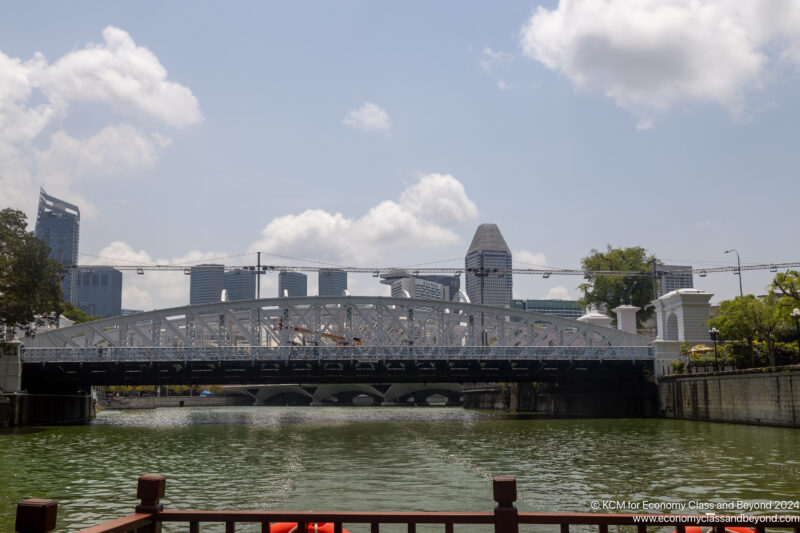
(39, 516)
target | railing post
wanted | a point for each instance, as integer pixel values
(150, 490)
(36, 516)
(506, 519)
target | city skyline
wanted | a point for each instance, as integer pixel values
(486, 115)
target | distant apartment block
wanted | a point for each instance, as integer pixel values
(439, 287)
(58, 225)
(240, 284)
(331, 282)
(99, 292)
(488, 267)
(419, 288)
(206, 283)
(560, 308)
(293, 283)
(673, 277)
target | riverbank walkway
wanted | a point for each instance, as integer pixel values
(39, 516)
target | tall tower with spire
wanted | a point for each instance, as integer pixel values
(58, 225)
(488, 267)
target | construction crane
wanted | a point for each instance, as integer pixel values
(377, 271)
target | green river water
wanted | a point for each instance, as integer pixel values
(385, 458)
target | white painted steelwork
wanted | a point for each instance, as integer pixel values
(320, 327)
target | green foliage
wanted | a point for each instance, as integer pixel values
(613, 291)
(78, 315)
(677, 366)
(30, 282)
(786, 287)
(751, 319)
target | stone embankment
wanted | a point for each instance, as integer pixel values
(769, 396)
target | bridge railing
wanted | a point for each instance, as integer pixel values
(130, 354)
(39, 516)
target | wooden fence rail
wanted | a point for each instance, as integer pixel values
(39, 516)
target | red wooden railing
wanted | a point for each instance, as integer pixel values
(39, 516)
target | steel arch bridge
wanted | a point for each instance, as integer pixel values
(338, 339)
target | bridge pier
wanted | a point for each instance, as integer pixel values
(523, 397)
(22, 409)
(10, 367)
(18, 408)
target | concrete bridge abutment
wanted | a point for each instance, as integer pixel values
(19, 408)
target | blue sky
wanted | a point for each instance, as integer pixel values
(366, 133)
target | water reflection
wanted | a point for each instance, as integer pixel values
(365, 458)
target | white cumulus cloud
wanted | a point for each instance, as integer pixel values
(368, 117)
(36, 95)
(121, 73)
(423, 217)
(648, 55)
(439, 197)
(527, 259)
(559, 292)
(494, 59)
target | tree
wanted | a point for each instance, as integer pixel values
(78, 315)
(613, 291)
(748, 318)
(30, 282)
(786, 287)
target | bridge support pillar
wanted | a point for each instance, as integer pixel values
(665, 353)
(523, 397)
(10, 367)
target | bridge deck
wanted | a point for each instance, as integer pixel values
(303, 364)
(352, 354)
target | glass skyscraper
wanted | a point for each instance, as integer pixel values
(99, 292)
(488, 267)
(240, 284)
(206, 284)
(294, 283)
(332, 282)
(58, 225)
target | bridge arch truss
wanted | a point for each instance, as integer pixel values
(335, 322)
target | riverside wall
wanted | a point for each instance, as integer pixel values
(151, 402)
(22, 409)
(584, 399)
(765, 396)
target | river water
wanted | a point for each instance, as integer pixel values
(385, 458)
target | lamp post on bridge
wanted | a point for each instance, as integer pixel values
(714, 332)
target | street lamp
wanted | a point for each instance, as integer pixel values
(739, 265)
(796, 315)
(714, 332)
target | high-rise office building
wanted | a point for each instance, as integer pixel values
(206, 283)
(99, 292)
(58, 225)
(561, 308)
(453, 283)
(294, 283)
(488, 267)
(240, 284)
(332, 282)
(672, 277)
